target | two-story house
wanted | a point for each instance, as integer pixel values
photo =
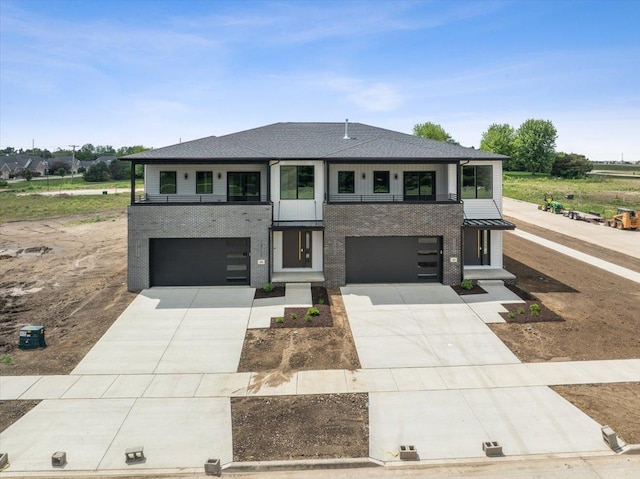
(328, 203)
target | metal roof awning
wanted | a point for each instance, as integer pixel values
(309, 225)
(489, 224)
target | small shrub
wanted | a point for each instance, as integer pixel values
(268, 287)
(308, 318)
(294, 316)
(535, 309)
(320, 300)
(313, 312)
(8, 360)
(466, 284)
(512, 314)
(520, 310)
(279, 320)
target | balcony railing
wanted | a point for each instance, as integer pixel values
(199, 199)
(388, 198)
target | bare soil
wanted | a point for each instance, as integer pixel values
(300, 427)
(67, 274)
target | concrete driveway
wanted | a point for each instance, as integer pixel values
(174, 330)
(438, 338)
(405, 326)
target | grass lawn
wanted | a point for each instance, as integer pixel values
(33, 207)
(600, 194)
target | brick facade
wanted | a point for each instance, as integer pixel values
(395, 219)
(196, 221)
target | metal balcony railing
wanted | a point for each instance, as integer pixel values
(389, 198)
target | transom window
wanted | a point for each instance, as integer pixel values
(204, 182)
(243, 186)
(346, 182)
(168, 183)
(419, 185)
(381, 182)
(477, 181)
(296, 182)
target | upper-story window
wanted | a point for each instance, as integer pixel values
(381, 182)
(168, 183)
(204, 182)
(346, 182)
(243, 186)
(419, 185)
(296, 182)
(477, 181)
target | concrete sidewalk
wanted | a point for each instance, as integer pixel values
(335, 381)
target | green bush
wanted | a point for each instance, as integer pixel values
(466, 284)
(520, 310)
(294, 316)
(279, 320)
(535, 309)
(8, 360)
(512, 314)
(267, 288)
(308, 318)
(313, 312)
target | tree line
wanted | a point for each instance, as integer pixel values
(87, 152)
(530, 147)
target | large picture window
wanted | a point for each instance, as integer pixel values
(296, 182)
(204, 182)
(381, 182)
(346, 182)
(243, 186)
(168, 183)
(477, 181)
(419, 185)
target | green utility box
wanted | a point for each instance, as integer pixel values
(32, 337)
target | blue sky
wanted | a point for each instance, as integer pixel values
(159, 72)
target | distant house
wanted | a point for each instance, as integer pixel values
(106, 159)
(69, 163)
(327, 203)
(16, 165)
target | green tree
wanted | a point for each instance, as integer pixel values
(499, 139)
(433, 131)
(86, 153)
(97, 172)
(534, 145)
(61, 172)
(119, 170)
(571, 165)
(130, 150)
(28, 175)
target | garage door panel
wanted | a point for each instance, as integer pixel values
(199, 261)
(397, 259)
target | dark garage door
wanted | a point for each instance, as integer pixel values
(199, 261)
(393, 259)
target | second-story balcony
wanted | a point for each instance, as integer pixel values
(148, 198)
(389, 198)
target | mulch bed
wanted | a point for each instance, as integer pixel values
(261, 293)
(462, 292)
(295, 317)
(522, 313)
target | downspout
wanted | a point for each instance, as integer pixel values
(459, 193)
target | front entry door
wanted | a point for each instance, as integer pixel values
(476, 247)
(296, 249)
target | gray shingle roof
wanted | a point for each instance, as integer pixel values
(314, 141)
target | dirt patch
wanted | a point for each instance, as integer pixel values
(600, 309)
(304, 318)
(65, 275)
(300, 427)
(11, 411)
(613, 404)
(278, 351)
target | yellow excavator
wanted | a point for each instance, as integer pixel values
(625, 219)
